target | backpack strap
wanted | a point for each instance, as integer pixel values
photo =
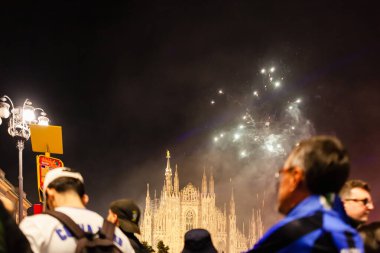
(108, 229)
(68, 222)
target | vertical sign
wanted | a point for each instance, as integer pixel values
(44, 164)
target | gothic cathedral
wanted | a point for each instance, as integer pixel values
(169, 217)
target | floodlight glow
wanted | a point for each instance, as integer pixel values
(262, 71)
(272, 69)
(28, 114)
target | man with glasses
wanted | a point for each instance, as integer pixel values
(356, 196)
(309, 183)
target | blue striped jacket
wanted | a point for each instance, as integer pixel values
(312, 226)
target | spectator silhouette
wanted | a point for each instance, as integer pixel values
(198, 241)
(126, 215)
(11, 237)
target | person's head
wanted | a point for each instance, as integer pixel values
(319, 165)
(198, 241)
(356, 197)
(63, 187)
(371, 237)
(126, 214)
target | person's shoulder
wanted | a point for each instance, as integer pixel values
(67, 209)
(291, 229)
(343, 234)
(38, 219)
(81, 214)
(38, 224)
(313, 220)
(333, 222)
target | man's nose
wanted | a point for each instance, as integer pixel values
(370, 206)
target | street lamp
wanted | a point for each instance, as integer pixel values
(21, 117)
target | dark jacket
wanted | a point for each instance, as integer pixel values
(136, 244)
(312, 226)
(11, 237)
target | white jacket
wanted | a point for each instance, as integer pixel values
(47, 235)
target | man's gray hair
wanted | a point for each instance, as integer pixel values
(325, 162)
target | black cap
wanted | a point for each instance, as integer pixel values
(128, 214)
(198, 240)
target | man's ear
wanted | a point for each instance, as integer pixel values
(50, 198)
(85, 199)
(50, 192)
(112, 217)
(298, 175)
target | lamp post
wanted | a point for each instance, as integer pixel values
(21, 117)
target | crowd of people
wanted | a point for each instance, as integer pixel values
(323, 212)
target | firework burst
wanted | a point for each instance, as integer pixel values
(270, 120)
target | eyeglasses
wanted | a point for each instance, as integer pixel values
(365, 201)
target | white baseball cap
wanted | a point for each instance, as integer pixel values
(58, 173)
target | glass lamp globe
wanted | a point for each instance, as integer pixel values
(4, 110)
(28, 113)
(43, 121)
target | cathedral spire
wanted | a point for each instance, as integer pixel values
(147, 199)
(176, 181)
(168, 175)
(211, 185)
(168, 161)
(252, 229)
(204, 183)
(232, 203)
(155, 203)
(232, 222)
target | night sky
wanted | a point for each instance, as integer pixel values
(127, 81)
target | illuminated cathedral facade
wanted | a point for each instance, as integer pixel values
(176, 211)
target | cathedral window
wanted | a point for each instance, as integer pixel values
(189, 193)
(189, 220)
